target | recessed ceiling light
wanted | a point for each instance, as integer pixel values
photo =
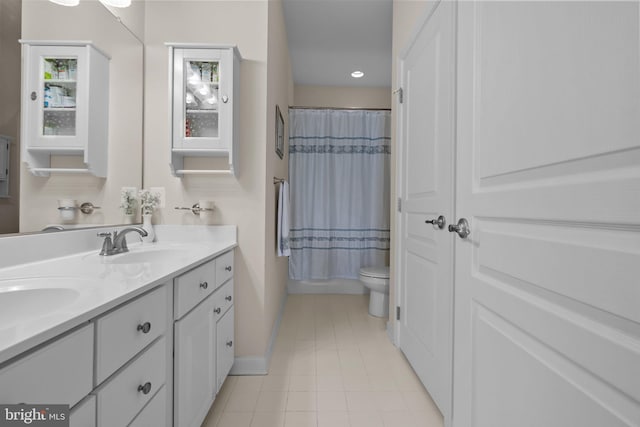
(357, 74)
(66, 2)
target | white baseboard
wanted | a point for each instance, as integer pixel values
(256, 365)
(335, 286)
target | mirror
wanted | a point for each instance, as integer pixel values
(33, 201)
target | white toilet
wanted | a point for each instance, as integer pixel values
(377, 280)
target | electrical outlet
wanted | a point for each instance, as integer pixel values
(162, 193)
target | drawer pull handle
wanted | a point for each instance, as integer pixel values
(204, 285)
(217, 310)
(228, 268)
(229, 343)
(145, 389)
(145, 328)
(228, 298)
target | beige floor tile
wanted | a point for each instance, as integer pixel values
(329, 383)
(389, 401)
(331, 401)
(235, 419)
(268, 419)
(366, 419)
(360, 401)
(275, 383)
(302, 383)
(242, 400)
(271, 401)
(249, 382)
(301, 401)
(333, 419)
(300, 419)
(356, 382)
(332, 366)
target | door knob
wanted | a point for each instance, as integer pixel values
(440, 222)
(462, 228)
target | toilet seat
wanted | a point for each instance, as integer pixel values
(375, 272)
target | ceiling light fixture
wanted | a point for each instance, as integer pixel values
(357, 74)
(116, 3)
(66, 2)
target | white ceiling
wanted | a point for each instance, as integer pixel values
(328, 39)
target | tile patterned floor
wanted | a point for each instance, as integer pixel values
(332, 366)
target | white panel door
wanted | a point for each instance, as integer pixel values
(547, 301)
(426, 188)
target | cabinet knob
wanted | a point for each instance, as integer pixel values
(204, 285)
(145, 327)
(230, 343)
(225, 98)
(228, 297)
(217, 310)
(228, 268)
(146, 388)
(34, 95)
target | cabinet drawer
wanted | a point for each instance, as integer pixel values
(193, 286)
(224, 268)
(223, 299)
(123, 396)
(125, 331)
(84, 414)
(155, 413)
(59, 373)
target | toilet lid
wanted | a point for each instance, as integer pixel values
(376, 272)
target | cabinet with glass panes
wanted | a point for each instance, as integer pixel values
(58, 115)
(204, 93)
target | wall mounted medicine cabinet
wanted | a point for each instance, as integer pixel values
(65, 105)
(204, 108)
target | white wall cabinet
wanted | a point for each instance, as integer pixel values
(204, 104)
(65, 105)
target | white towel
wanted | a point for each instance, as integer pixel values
(283, 220)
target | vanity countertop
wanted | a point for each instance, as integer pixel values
(63, 292)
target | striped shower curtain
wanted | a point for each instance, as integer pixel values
(339, 178)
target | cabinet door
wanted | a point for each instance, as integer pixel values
(194, 365)
(224, 347)
(57, 79)
(202, 102)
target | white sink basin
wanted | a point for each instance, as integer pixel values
(24, 299)
(154, 254)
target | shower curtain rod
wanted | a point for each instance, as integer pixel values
(338, 108)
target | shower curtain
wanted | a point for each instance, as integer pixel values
(339, 192)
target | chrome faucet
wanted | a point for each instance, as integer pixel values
(119, 243)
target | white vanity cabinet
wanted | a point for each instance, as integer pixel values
(65, 105)
(204, 104)
(132, 354)
(203, 349)
(60, 372)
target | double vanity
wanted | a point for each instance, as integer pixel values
(142, 338)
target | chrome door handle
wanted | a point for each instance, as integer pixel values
(462, 228)
(440, 222)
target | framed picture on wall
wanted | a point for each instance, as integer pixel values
(279, 133)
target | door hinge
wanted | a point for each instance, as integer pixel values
(397, 312)
(400, 94)
(399, 204)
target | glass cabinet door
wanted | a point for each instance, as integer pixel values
(59, 89)
(201, 102)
